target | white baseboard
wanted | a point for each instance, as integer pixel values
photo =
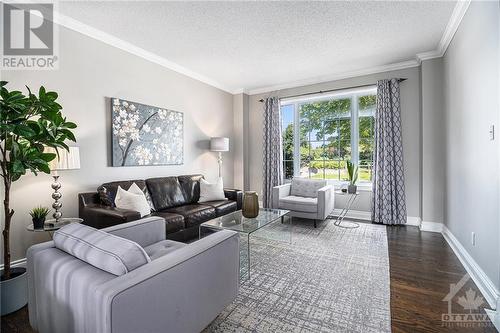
(354, 214)
(367, 216)
(431, 226)
(495, 315)
(413, 220)
(483, 282)
(16, 263)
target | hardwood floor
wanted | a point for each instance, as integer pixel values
(422, 267)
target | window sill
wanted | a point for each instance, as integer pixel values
(362, 187)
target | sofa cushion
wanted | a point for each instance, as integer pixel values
(162, 248)
(166, 192)
(133, 199)
(299, 204)
(304, 187)
(191, 186)
(108, 252)
(112, 188)
(194, 214)
(211, 191)
(103, 197)
(223, 207)
(173, 222)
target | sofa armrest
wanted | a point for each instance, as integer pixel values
(144, 232)
(235, 195)
(32, 280)
(191, 286)
(100, 216)
(280, 192)
(326, 201)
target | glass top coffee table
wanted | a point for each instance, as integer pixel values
(245, 226)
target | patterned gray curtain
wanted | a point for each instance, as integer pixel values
(389, 202)
(273, 152)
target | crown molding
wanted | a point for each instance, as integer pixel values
(451, 28)
(428, 55)
(239, 91)
(453, 24)
(106, 38)
(338, 76)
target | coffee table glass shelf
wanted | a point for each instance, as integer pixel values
(245, 226)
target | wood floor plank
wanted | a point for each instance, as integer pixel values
(422, 267)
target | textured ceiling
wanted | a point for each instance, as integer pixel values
(248, 45)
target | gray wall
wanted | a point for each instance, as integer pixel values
(240, 150)
(471, 106)
(90, 71)
(433, 147)
(410, 108)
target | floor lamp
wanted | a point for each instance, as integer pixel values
(219, 145)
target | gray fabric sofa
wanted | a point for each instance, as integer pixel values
(306, 198)
(181, 287)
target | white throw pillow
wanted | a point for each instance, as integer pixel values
(211, 192)
(133, 199)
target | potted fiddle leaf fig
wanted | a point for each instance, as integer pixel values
(352, 171)
(28, 124)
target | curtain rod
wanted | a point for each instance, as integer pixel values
(331, 90)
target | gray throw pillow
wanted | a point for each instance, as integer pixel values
(113, 254)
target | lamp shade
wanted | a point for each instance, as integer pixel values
(219, 144)
(68, 160)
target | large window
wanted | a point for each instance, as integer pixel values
(320, 134)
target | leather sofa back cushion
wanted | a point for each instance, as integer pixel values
(100, 249)
(166, 192)
(191, 186)
(112, 188)
(303, 187)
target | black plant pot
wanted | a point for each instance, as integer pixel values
(38, 223)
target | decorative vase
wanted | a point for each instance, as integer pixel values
(250, 204)
(351, 189)
(38, 222)
(14, 291)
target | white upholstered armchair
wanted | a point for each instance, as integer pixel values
(306, 198)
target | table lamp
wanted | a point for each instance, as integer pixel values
(67, 160)
(219, 145)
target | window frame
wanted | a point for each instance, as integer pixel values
(353, 95)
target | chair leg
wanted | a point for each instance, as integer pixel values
(315, 223)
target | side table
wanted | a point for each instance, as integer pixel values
(339, 220)
(50, 229)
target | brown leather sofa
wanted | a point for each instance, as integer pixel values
(173, 198)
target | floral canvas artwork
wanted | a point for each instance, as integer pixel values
(146, 135)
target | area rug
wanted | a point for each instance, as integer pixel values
(327, 279)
